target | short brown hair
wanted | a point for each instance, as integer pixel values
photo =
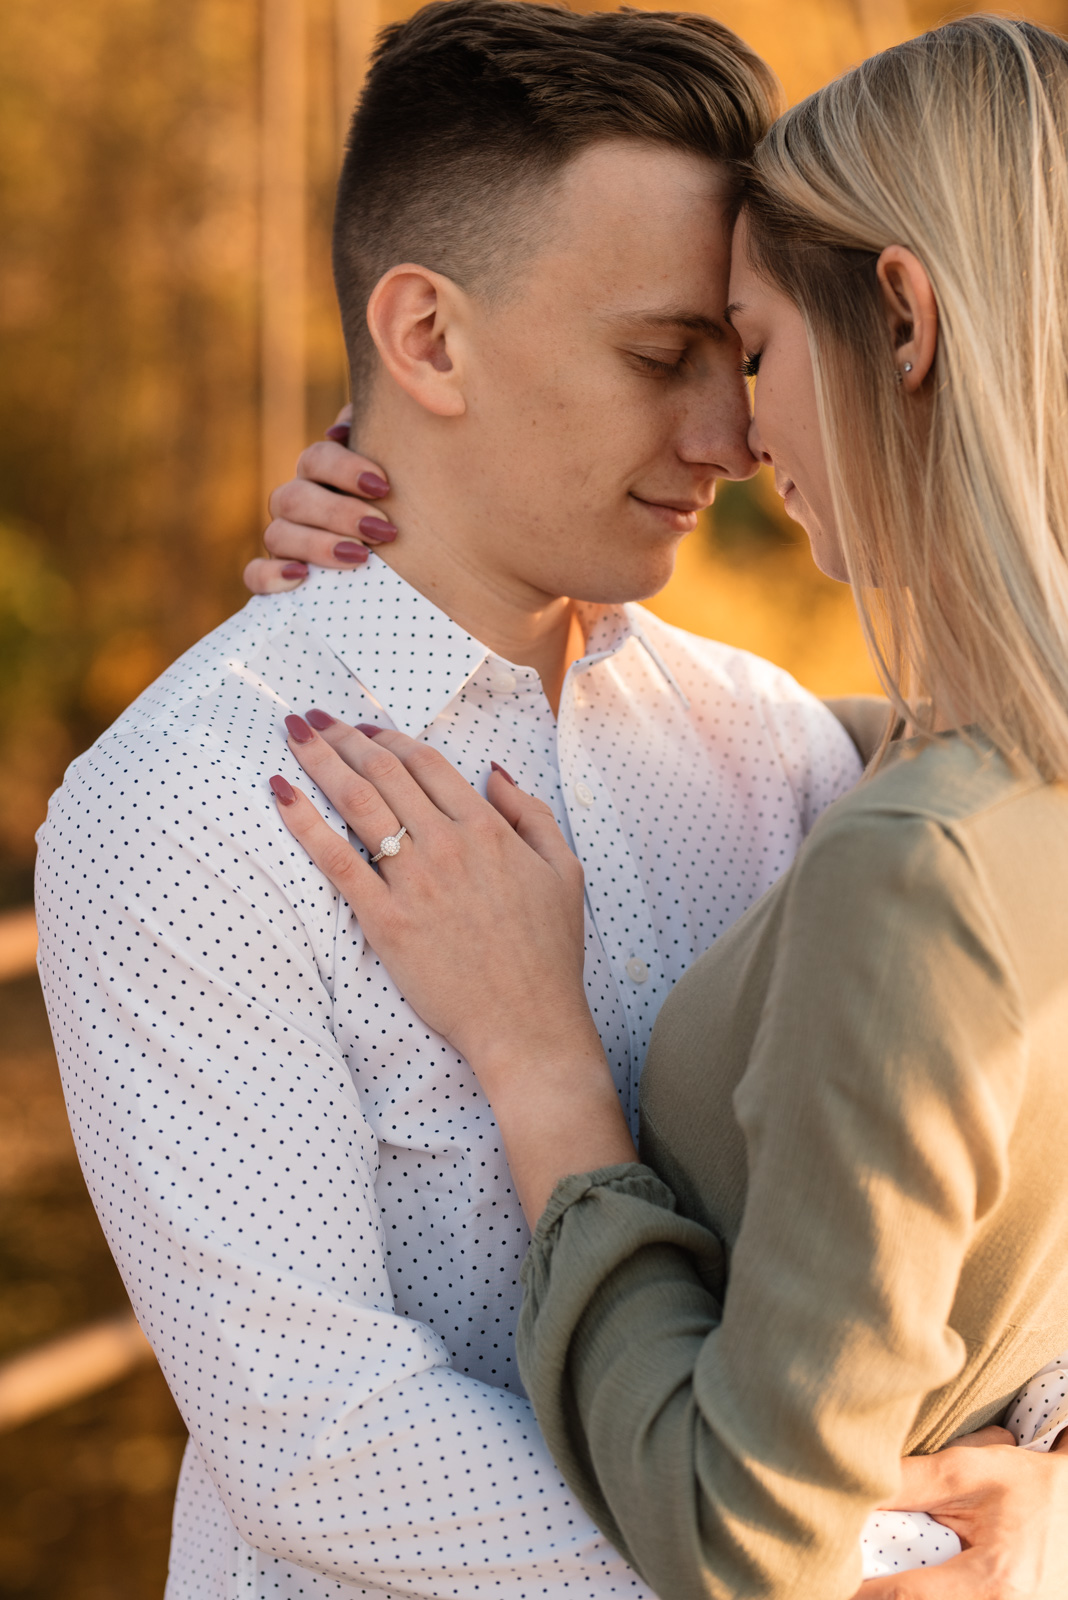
(473, 106)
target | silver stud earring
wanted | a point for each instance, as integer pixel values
(908, 366)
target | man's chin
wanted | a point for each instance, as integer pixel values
(637, 580)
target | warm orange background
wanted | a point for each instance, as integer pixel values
(169, 341)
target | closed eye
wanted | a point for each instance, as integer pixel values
(751, 366)
(662, 369)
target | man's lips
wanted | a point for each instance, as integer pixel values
(680, 515)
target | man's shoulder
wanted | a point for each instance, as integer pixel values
(757, 714)
(206, 734)
(712, 669)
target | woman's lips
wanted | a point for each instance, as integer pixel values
(680, 515)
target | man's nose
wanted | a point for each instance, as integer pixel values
(719, 431)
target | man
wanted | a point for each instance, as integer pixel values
(303, 1187)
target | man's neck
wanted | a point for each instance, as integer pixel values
(548, 637)
(441, 558)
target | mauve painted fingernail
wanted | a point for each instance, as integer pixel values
(378, 528)
(284, 792)
(294, 569)
(348, 550)
(339, 432)
(498, 768)
(320, 719)
(371, 485)
(352, 552)
(369, 729)
(298, 730)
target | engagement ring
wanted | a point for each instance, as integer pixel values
(390, 845)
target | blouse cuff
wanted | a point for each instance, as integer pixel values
(627, 1177)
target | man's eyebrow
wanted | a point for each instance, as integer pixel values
(671, 317)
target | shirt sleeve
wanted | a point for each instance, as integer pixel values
(735, 1449)
(223, 1143)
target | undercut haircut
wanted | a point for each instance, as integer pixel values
(473, 108)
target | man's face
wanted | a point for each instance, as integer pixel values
(605, 397)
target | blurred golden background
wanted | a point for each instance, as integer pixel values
(170, 342)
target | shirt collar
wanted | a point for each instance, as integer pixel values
(408, 655)
(411, 658)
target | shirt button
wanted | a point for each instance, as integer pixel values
(502, 681)
(637, 971)
(584, 794)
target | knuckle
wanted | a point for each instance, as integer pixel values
(281, 504)
(312, 458)
(360, 800)
(422, 758)
(380, 765)
(281, 539)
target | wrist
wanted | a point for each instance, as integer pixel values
(558, 1114)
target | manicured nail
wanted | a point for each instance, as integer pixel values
(378, 529)
(298, 730)
(284, 792)
(339, 432)
(369, 729)
(498, 768)
(348, 550)
(320, 719)
(294, 569)
(371, 486)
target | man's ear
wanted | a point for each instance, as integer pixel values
(415, 316)
(911, 311)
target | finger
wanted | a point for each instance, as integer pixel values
(263, 576)
(436, 777)
(359, 800)
(929, 1482)
(969, 1576)
(341, 426)
(984, 1437)
(345, 867)
(310, 505)
(533, 821)
(331, 463)
(290, 541)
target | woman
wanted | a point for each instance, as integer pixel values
(846, 1239)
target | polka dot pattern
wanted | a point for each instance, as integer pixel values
(304, 1188)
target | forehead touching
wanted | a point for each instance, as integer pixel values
(636, 233)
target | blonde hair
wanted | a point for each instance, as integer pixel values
(952, 502)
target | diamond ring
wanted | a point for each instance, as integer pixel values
(390, 845)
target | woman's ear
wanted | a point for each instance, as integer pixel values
(911, 311)
(414, 316)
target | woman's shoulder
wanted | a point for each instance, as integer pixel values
(952, 781)
(946, 820)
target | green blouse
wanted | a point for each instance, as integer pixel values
(849, 1237)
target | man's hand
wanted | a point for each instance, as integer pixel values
(1008, 1506)
(327, 516)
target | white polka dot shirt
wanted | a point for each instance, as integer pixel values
(304, 1188)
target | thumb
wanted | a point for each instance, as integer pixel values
(532, 820)
(965, 1577)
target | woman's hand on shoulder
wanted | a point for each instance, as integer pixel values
(329, 515)
(478, 915)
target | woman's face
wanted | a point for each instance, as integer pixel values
(784, 431)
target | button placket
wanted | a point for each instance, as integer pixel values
(614, 888)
